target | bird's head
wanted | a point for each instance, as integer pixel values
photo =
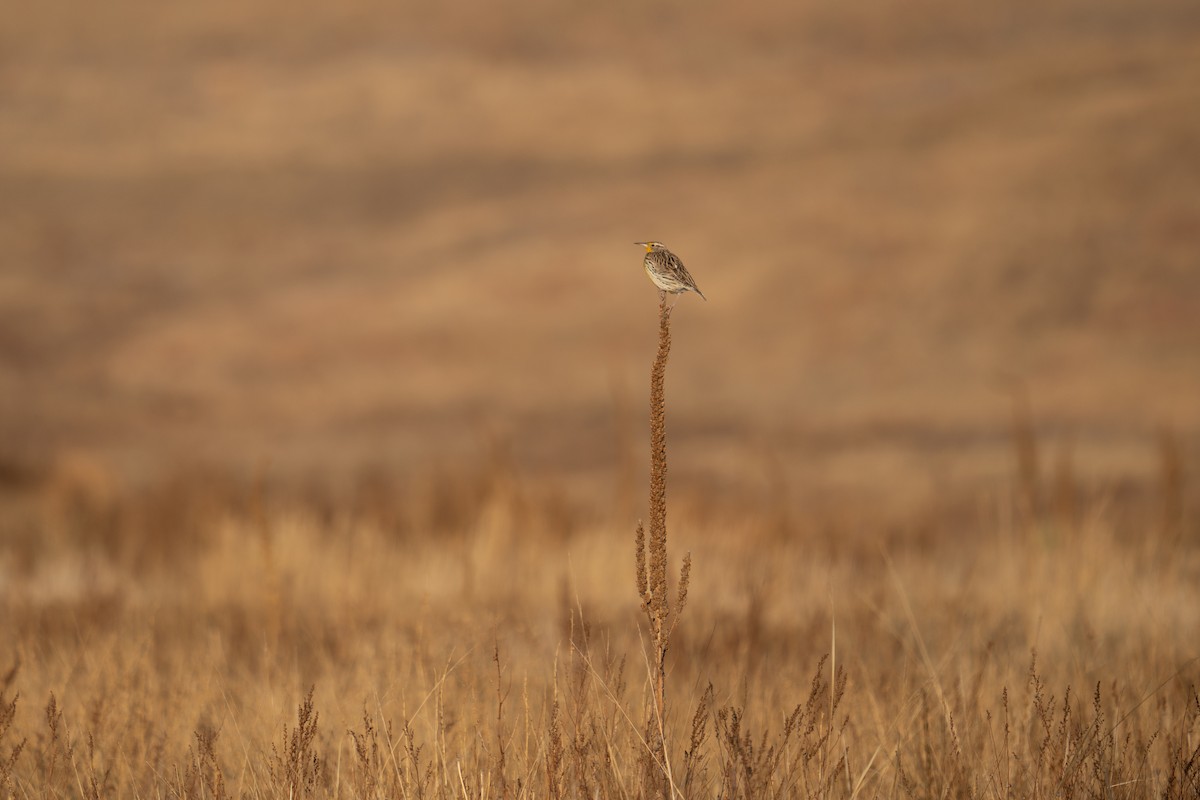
(650, 245)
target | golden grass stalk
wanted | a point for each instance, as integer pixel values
(8, 713)
(651, 573)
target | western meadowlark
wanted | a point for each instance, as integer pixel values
(667, 271)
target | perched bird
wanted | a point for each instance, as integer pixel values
(667, 271)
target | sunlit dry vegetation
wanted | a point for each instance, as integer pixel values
(204, 640)
(324, 351)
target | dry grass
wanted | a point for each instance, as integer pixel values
(220, 641)
(318, 328)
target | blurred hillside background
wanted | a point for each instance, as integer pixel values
(333, 239)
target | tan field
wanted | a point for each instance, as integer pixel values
(324, 369)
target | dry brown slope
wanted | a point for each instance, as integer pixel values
(335, 236)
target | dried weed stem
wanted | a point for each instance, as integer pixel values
(652, 566)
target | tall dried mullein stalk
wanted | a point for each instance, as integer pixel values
(652, 565)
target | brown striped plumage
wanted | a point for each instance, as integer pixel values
(667, 271)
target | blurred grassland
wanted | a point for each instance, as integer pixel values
(1044, 654)
(323, 347)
